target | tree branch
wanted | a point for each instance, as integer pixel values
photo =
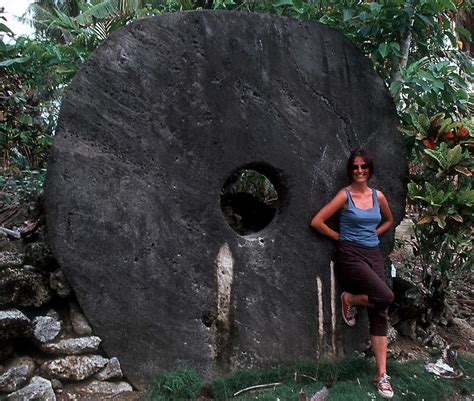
(405, 43)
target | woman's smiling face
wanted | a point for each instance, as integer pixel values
(360, 170)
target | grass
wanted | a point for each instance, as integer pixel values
(349, 379)
(181, 384)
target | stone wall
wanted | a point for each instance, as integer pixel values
(154, 124)
(47, 347)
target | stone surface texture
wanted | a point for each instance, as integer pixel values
(72, 346)
(39, 254)
(13, 324)
(10, 259)
(38, 389)
(154, 123)
(45, 328)
(24, 287)
(73, 367)
(79, 322)
(98, 388)
(111, 371)
(59, 284)
(16, 374)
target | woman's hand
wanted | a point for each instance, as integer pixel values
(319, 220)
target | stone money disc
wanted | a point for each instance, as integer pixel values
(152, 128)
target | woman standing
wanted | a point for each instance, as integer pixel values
(359, 264)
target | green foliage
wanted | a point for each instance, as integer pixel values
(433, 87)
(179, 385)
(20, 186)
(34, 73)
(441, 193)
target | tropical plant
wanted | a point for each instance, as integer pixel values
(441, 193)
(34, 73)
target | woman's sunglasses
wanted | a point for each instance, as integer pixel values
(362, 166)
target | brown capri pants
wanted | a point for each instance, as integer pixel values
(360, 270)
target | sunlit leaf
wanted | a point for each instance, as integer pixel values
(463, 170)
(425, 220)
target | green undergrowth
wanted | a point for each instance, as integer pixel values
(349, 379)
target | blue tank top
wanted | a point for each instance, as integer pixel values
(359, 225)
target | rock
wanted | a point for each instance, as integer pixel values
(56, 384)
(132, 192)
(391, 334)
(103, 388)
(59, 284)
(16, 374)
(38, 389)
(421, 333)
(72, 346)
(73, 367)
(449, 315)
(52, 313)
(79, 322)
(111, 371)
(14, 324)
(407, 328)
(10, 259)
(464, 327)
(13, 379)
(38, 254)
(24, 287)
(394, 317)
(409, 299)
(437, 341)
(16, 247)
(46, 328)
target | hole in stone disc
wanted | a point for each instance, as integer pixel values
(248, 201)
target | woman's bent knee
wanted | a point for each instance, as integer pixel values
(382, 299)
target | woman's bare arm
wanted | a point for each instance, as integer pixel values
(319, 220)
(386, 213)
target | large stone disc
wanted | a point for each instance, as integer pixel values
(152, 126)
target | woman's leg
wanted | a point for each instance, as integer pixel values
(379, 346)
(357, 300)
(379, 343)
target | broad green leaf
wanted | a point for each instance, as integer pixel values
(395, 87)
(4, 28)
(464, 32)
(298, 4)
(383, 49)
(347, 15)
(281, 3)
(466, 198)
(454, 155)
(426, 75)
(462, 94)
(395, 48)
(437, 156)
(412, 189)
(425, 19)
(374, 7)
(17, 60)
